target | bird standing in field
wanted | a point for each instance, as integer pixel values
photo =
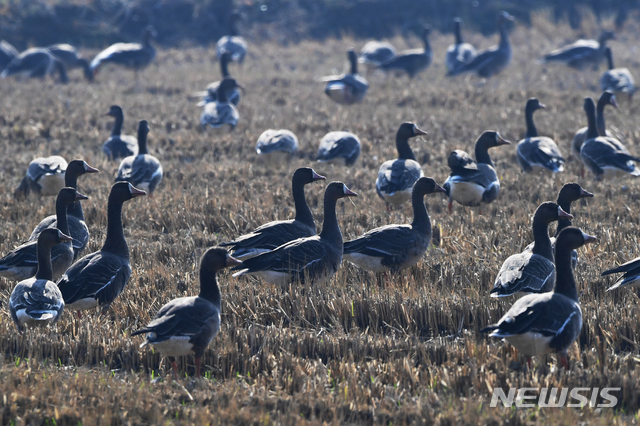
(582, 53)
(339, 147)
(495, 59)
(75, 215)
(374, 53)
(538, 152)
(396, 247)
(221, 114)
(135, 56)
(459, 53)
(119, 145)
(45, 176)
(188, 324)
(607, 98)
(69, 56)
(37, 301)
(143, 170)
(36, 62)
(396, 177)
(211, 93)
(474, 182)
(281, 140)
(412, 62)
(539, 324)
(349, 88)
(274, 234)
(305, 260)
(98, 278)
(617, 80)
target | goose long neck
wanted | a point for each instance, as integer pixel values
(45, 271)
(592, 129)
(61, 216)
(354, 64)
(610, 60)
(421, 221)
(532, 132)
(404, 150)
(564, 222)
(600, 123)
(224, 66)
(542, 242)
(117, 125)
(504, 37)
(565, 281)
(458, 33)
(425, 42)
(303, 213)
(142, 142)
(209, 288)
(115, 242)
(330, 228)
(482, 155)
(75, 208)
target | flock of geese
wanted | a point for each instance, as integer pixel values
(53, 276)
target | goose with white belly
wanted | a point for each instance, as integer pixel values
(143, 171)
(538, 152)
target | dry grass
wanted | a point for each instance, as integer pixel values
(363, 349)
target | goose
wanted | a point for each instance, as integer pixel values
(211, 93)
(233, 43)
(22, 262)
(495, 59)
(412, 61)
(37, 301)
(605, 156)
(396, 247)
(188, 324)
(539, 324)
(75, 215)
(630, 274)
(531, 271)
(473, 182)
(69, 56)
(311, 259)
(281, 140)
(36, 62)
(119, 145)
(7, 54)
(98, 278)
(341, 147)
(274, 234)
(582, 53)
(569, 193)
(45, 176)
(396, 177)
(374, 53)
(618, 80)
(538, 152)
(459, 53)
(607, 98)
(221, 113)
(130, 55)
(143, 170)
(349, 88)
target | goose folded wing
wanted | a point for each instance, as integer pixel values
(604, 153)
(25, 255)
(525, 271)
(270, 235)
(386, 242)
(144, 168)
(181, 317)
(291, 257)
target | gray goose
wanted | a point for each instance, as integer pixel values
(22, 262)
(311, 259)
(143, 170)
(474, 182)
(221, 114)
(607, 98)
(396, 247)
(617, 80)
(341, 147)
(569, 193)
(45, 176)
(7, 54)
(605, 156)
(211, 93)
(539, 324)
(538, 152)
(119, 145)
(459, 53)
(130, 55)
(396, 177)
(349, 88)
(69, 56)
(582, 53)
(274, 234)
(75, 215)
(374, 53)
(233, 43)
(36, 63)
(98, 278)
(273, 140)
(188, 324)
(492, 61)
(412, 62)
(531, 271)
(37, 301)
